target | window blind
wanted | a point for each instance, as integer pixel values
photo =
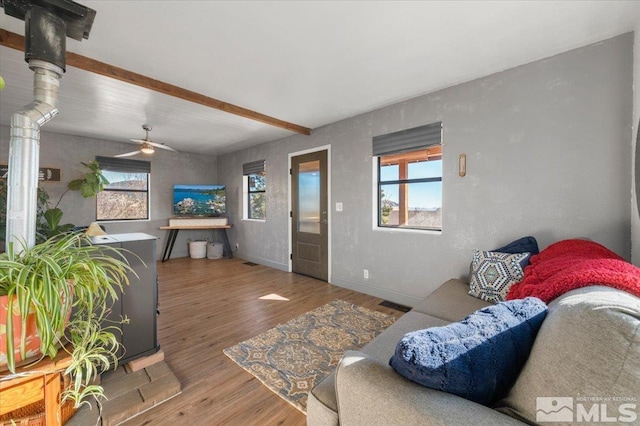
(123, 165)
(253, 168)
(408, 140)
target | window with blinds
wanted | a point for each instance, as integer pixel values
(126, 197)
(410, 178)
(255, 190)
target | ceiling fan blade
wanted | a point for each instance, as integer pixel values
(128, 154)
(138, 140)
(159, 145)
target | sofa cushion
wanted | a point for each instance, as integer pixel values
(493, 274)
(588, 346)
(383, 346)
(370, 393)
(322, 398)
(450, 302)
(478, 358)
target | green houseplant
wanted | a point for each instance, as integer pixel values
(48, 218)
(66, 285)
(48, 221)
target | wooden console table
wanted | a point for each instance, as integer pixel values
(173, 233)
(35, 383)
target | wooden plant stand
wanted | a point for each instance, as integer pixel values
(33, 384)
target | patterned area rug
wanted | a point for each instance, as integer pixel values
(291, 358)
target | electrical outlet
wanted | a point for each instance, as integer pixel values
(366, 274)
(237, 246)
(338, 207)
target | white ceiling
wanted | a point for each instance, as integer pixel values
(306, 62)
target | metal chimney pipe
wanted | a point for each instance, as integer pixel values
(24, 153)
(45, 50)
(48, 23)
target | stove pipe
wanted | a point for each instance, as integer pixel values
(47, 24)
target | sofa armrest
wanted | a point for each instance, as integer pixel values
(371, 393)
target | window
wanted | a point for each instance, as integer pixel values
(255, 197)
(410, 178)
(257, 200)
(127, 195)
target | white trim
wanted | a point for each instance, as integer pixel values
(245, 206)
(122, 220)
(374, 192)
(407, 230)
(329, 205)
(383, 293)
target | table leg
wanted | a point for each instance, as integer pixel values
(168, 246)
(227, 246)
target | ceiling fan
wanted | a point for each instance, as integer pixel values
(147, 145)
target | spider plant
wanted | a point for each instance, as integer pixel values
(69, 285)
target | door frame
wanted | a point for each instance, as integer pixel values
(329, 205)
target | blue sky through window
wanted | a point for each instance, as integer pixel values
(421, 195)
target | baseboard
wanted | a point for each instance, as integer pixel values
(403, 299)
(265, 262)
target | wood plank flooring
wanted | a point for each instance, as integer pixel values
(209, 305)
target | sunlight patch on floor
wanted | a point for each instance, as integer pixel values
(273, 296)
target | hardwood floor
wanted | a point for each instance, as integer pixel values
(209, 305)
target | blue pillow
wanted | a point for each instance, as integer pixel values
(522, 245)
(478, 358)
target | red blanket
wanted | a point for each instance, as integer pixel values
(571, 264)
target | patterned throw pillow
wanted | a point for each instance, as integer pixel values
(493, 273)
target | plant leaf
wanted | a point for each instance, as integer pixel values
(75, 184)
(52, 217)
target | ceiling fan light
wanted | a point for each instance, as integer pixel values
(147, 149)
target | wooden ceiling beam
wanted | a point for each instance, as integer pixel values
(16, 41)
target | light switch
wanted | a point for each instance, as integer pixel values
(338, 207)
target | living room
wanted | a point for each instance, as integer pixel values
(549, 145)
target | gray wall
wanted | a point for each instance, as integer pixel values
(635, 214)
(548, 155)
(66, 152)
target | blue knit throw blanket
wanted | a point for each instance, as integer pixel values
(478, 358)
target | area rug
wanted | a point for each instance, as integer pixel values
(291, 358)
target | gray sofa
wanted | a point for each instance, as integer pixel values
(588, 349)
